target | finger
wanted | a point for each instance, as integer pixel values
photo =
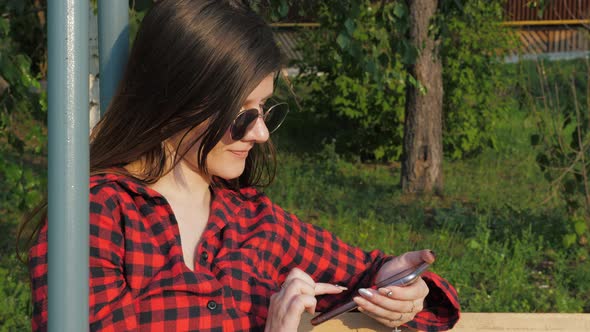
(378, 312)
(324, 288)
(414, 291)
(381, 301)
(414, 258)
(290, 313)
(403, 262)
(298, 286)
(394, 321)
(301, 303)
(297, 273)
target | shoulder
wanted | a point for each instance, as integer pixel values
(114, 190)
(252, 203)
(113, 183)
(247, 195)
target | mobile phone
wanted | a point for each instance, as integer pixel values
(403, 278)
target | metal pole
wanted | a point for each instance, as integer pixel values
(113, 46)
(68, 170)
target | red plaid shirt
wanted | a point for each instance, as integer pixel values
(138, 279)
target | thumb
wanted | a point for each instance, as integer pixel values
(414, 258)
(404, 261)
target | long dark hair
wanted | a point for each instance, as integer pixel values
(193, 63)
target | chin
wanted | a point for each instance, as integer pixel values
(230, 174)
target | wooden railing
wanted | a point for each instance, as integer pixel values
(555, 40)
(469, 322)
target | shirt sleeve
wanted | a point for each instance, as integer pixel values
(110, 302)
(112, 305)
(441, 308)
(328, 259)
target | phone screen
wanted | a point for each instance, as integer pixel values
(403, 278)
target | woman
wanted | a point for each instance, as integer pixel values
(180, 239)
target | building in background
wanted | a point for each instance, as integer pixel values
(560, 30)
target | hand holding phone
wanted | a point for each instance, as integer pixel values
(403, 278)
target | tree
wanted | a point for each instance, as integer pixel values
(423, 152)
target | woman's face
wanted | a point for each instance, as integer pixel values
(228, 158)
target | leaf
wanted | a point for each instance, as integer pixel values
(580, 227)
(350, 26)
(343, 41)
(399, 10)
(4, 26)
(535, 139)
(283, 8)
(569, 240)
(473, 244)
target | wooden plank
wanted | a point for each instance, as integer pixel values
(469, 322)
(546, 22)
(533, 41)
(541, 37)
(295, 25)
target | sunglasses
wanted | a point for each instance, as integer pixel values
(273, 118)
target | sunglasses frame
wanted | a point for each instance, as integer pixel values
(264, 116)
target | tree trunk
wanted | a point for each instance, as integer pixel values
(423, 153)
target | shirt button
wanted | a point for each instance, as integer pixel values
(204, 256)
(212, 305)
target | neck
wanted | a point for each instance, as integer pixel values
(182, 181)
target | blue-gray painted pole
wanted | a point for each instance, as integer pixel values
(113, 46)
(68, 165)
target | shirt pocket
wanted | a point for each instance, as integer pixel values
(248, 277)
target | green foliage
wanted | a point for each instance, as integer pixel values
(23, 140)
(475, 81)
(22, 109)
(558, 95)
(15, 297)
(354, 77)
(490, 218)
(495, 240)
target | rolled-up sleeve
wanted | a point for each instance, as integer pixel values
(328, 259)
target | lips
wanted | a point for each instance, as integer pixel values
(240, 153)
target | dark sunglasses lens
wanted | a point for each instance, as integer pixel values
(242, 122)
(275, 116)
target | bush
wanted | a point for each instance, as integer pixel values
(15, 298)
(476, 82)
(558, 95)
(354, 76)
(354, 79)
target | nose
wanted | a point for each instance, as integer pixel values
(257, 131)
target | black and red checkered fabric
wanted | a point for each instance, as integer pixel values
(139, 282)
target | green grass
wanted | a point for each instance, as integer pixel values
(497, 232)
(497, 238)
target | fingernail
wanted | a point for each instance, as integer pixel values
(365, 292)
(341, 287)
(433, 254)
(360, 301)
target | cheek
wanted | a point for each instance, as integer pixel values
(217, 152)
